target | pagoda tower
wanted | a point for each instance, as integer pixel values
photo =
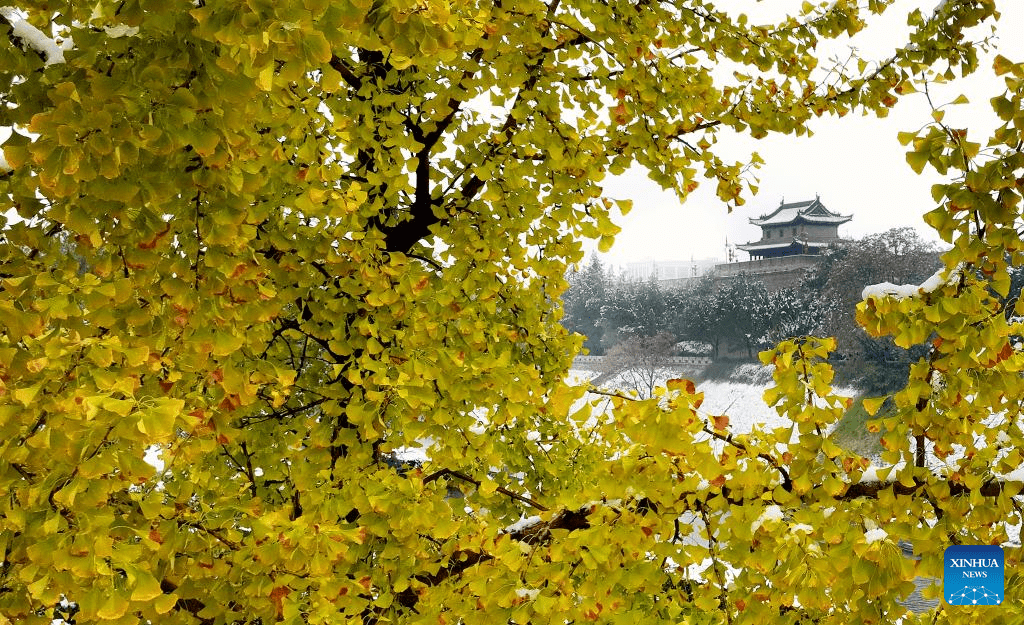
(796, 228)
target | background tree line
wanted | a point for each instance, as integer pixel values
(742, 316)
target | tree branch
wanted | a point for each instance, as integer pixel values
(501, 489)
(403, 236)
(787, 483)
(30, 37)
(338, 64)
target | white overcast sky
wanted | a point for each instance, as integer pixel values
(855, 164)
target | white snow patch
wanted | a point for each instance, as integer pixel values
(414, 454)
(888, 289)
(121, 30)
(32, 37)
(743, 402)
(522, 524)
(530, 593)
(577, 377)
(771, 513)
(902, 291)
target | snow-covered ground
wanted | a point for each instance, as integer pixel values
(741, 396)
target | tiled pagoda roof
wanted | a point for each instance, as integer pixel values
(811, 211)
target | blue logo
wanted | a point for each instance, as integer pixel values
(974, 575)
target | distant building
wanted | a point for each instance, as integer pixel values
(791, 238)
(795, 228)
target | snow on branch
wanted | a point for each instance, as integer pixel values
(874, 535)
(31, 37)
(905, 291)
(50, 49)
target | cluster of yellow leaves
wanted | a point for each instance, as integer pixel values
(264, 253)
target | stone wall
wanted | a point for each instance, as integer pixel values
(776, 273)
(593, 363)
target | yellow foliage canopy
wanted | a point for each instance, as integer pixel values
(279, 248)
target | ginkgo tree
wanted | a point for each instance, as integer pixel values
(259, 255)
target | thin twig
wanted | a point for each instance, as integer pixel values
(501, 489)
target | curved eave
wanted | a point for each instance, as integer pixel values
(838, 220)
(787, 209)
(759, 247)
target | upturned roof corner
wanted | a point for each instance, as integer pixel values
(809, 211)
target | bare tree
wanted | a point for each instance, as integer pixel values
(641, 361)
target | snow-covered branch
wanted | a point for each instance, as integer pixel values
(32, 38)
(903, 291)
(49, 48)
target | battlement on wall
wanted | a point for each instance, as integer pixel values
(766, 265)
(595, 363)
(776, 273)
